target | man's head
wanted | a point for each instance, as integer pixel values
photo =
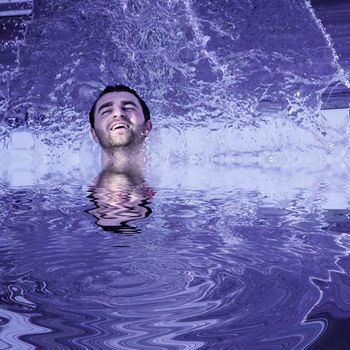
(119, 118)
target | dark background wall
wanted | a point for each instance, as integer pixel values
(335, 17)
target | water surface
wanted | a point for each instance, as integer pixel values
(236, 236)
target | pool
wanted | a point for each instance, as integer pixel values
(236, 236)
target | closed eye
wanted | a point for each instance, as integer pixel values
(129, 105)
(106, 111)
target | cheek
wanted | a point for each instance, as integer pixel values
(100, 124)
(139, 119)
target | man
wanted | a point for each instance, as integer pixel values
(120, 122)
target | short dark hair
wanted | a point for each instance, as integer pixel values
(119, 88)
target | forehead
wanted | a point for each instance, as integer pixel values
(117, 97)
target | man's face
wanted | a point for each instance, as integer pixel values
(119, 121)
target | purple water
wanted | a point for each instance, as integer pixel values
(213, 269)
(237, 234)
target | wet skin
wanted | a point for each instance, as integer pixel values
(120, 122)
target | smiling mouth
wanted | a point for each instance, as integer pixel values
(119, 126)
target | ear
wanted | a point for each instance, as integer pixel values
(148, 127)
(93, 134)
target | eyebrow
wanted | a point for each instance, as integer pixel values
(109, 104)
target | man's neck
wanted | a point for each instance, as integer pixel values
(123, 158)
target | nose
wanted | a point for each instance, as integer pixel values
(118, 113)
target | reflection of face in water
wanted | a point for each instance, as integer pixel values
(120, 197)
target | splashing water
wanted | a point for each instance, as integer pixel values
(235, 82)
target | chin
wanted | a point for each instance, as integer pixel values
(121, 143)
